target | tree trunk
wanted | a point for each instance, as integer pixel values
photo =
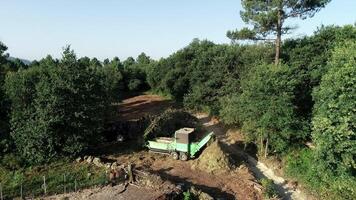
(261, 145)
(279, 36)
(266, 150)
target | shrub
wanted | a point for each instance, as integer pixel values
(322, 182)
(334, 120)
(268, 188)
(134, 84)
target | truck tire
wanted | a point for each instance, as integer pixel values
(183, 156)
(175, 155)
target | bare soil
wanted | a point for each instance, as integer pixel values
(139, 106)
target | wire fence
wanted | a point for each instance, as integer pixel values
(49, 185)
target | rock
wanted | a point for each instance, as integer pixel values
(97, 162)
(114, 165)
(108, 165)
(200, 194)
(79, 159)
(89, 159)
(89, 174)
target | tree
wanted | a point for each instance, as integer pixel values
(4, 126)
(334, 120)
(265, 108)
(310, 55)
(268, 19)
(56, 110)
(129, 62)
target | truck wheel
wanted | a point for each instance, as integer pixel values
(175, 155)
(183, 156)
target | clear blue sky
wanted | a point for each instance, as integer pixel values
(108, 28)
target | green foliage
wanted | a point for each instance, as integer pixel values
(168, 122)
(11, 161)
(187, 195)
(300, 164)
(135, 72)
(267, 19)
(323, 183)
(203, 72)
(334, 121)
(310, 55)
(56, 111)
(264, 16)
(112, 78)
(5, 66)
(31, 179)
(265, 107)
(268, 188)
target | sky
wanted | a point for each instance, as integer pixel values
(108, 28)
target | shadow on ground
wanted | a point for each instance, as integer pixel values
(216, 193)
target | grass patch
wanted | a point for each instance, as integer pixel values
(60, 176)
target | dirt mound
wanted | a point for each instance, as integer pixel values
(213, 159)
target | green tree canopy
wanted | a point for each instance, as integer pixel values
(265, 108)
(334, 121)
(56, 110)
(268, 19)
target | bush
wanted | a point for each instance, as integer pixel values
(134, 84)
(322, 182)
(268, 188)
(300, 164)
(334, 120)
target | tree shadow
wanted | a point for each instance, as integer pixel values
(216, 193)
(116, 148)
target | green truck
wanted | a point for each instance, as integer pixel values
(183, 145)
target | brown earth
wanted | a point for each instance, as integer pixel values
(139, 106)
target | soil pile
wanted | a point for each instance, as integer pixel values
(213, 159)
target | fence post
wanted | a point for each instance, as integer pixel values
(44, 185)
(75, 185)
(21, 191)
(64, 183)
(1, 197)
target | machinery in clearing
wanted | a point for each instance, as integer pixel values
(183, 145)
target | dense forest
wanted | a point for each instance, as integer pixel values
(54, 108)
